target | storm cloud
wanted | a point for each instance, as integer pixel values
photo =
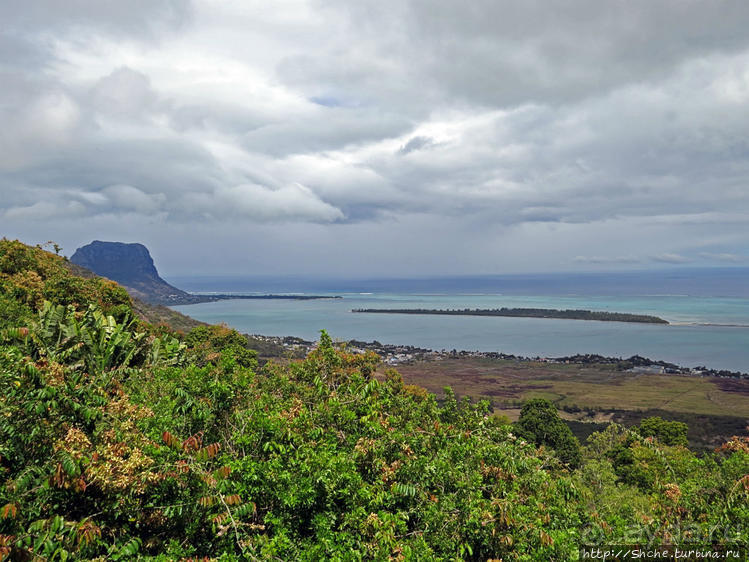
(380, 138)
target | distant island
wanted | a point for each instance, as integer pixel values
(525, 313)
(131, 266)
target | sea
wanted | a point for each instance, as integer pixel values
(708, 312)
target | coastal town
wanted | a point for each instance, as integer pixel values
(393, 355)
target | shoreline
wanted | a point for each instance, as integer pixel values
(394, 354)
(212, 297)
(543, 313)
(198, 298)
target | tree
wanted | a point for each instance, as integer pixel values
(540, 422)
(667, 432)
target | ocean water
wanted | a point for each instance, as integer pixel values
(708, 311)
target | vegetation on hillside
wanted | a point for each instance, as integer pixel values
(120, 440)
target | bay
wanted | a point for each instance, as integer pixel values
(710, 331)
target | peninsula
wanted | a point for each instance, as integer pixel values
(131, 266)
(525, 313)
(293, 297)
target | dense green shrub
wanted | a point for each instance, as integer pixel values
(540, 422)
(667, 432)
(116, 444)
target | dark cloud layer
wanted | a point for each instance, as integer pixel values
(376, 138)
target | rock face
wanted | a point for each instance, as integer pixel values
(131, 266)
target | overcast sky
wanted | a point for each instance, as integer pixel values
(379, 137)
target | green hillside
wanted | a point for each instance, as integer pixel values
(123, 440)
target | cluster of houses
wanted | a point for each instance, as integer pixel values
(404, 354)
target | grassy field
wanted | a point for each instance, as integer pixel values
(714, 408)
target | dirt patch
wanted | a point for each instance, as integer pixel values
(512, 414)
(513, 391)
(735, 386)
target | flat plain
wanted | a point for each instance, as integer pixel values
(593, 392)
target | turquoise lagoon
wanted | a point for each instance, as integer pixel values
(705, 330)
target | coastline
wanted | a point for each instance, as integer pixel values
(545, 313)
(685, 341)
(200, 298)
(393, 354)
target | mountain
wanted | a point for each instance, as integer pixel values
(131, 265)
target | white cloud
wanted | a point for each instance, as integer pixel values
(252, 201)
(724, 257)
(670, 258)
(42, 122)
(124, 93)
(45, 210)
(129, 198)
(569, 133)
(607, 260)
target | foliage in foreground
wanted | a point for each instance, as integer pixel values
(118, 441)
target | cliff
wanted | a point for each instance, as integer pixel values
(131, 266)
